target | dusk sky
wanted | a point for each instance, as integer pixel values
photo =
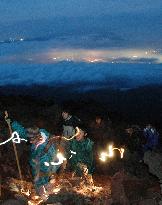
(15, 10)
(84, 34)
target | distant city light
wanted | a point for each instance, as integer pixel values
(114, 55)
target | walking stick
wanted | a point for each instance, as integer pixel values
(14, 146)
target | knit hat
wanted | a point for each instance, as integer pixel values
(32, 132)
(83, 128)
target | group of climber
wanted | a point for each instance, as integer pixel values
(79, 150)
(140, 140)
(73, 144)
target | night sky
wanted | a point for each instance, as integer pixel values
(69, 41)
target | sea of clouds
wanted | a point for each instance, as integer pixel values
(86, 75)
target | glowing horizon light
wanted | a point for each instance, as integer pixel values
(104, 55)
(93, 60)
(120, 55)
(21, 39)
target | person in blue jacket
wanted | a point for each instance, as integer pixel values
(41, 154)
(151, 138)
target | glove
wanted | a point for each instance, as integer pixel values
(8, 120)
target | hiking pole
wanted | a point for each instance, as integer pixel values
(14, 146)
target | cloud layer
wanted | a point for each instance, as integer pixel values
(86, 76)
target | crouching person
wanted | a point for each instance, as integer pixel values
(81, 147)
(42, 153)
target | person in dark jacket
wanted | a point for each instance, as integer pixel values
(102, 135)
(134, 139)
(69, 123)
(134, 142)
(100, 130)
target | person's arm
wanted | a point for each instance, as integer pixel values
(74, 159)
(89, 145)
(88, 157)
(16, 126)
